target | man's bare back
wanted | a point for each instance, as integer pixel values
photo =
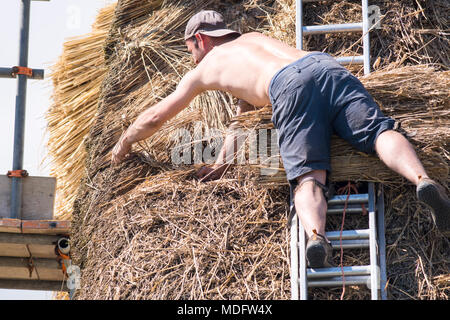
(244, 67)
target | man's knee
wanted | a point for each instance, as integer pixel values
(312, 183)
(319, 175)
(389, 139)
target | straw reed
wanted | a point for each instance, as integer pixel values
(77, 77)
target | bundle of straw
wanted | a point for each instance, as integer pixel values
(77, 78)
(417, 98)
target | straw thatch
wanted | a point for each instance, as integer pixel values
(148, 230)
(77, 77)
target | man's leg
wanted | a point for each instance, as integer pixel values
(399, 155)
(310, 202)
(311, 207)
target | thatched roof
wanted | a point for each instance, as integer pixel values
(77, 78)
(148, 230)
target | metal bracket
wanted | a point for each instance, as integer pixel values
(12, 72)
(17, 174)
(22, 70)
(31, 266)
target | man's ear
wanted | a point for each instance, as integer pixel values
(200, 40)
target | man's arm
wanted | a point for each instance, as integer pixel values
(228, 152)
(152, 119)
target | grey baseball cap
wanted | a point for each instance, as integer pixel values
(207, 22)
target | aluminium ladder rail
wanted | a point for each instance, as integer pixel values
(335, 28)
(373, 275)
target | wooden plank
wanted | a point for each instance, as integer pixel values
(20, 238)
(16, 268)
(38, 197)
(42, 251)
(21, 250)
(22, 245)
(13, 250)
(24, 262)
(46, 226)
(10, 225)
(17, 273)
(19, 268)
(50, 274)
(33, 285)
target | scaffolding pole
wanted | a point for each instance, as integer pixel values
(19, 122)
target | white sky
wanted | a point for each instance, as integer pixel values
(51, 22)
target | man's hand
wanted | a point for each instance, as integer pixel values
(211, 173)
(120, 151)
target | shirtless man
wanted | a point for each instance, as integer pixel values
(311, 95)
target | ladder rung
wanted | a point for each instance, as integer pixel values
(333, 28)
(337, 281)
(350, 244)
(353, 198)
(348, 234)
(350, 60)
(351, 239)
(350, 209)
(337, 271)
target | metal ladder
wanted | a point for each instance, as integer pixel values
(373, 275)
(335, 28)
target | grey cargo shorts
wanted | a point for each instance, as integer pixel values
(314, 97)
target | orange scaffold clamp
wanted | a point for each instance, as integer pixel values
(22, 70)
(17, 174)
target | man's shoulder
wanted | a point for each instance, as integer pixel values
(252, 35)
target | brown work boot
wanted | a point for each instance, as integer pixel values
(319, 252)
(433, 195)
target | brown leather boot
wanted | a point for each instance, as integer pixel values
(319, 252)
(433, 194)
